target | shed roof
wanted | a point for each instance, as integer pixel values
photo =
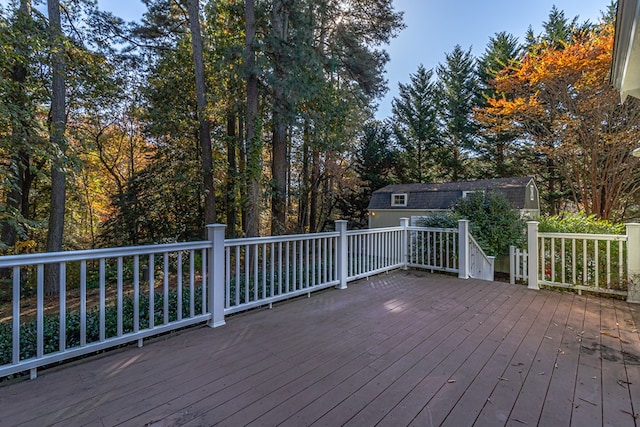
(444, 195)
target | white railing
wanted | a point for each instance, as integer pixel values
(264, 270)
(518, 265)
(592, 262)
(481, 265)
(110, 297)
(374, 251)
(105, 298)
(434, 249)
(604, 263)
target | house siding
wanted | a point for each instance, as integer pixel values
(391, 218)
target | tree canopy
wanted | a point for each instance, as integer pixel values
(260, 115)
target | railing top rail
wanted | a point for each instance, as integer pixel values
(584, 236)
(67, 256)
(276, 239)
(374, 230)
(444, 230)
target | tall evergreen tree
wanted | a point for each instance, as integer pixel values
(458, 87)
(375, 160)
(608, 16)
(324, 58)
(501, 52)
(497, 147)
(415, 126)
(558, 30)
(282, 103)
(204, 125)
(375, 156)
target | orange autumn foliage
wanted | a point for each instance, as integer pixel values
(560, 99)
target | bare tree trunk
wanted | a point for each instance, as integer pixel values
(204, 129)
(279, 164)
(278, 174)
(58, 143)
(232, 175)
(242, 172)
(315, 190)
(254, 137)
(303, 204)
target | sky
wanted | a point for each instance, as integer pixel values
(434, 27)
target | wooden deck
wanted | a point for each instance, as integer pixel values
(407, 348)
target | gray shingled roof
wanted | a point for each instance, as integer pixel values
(444, 195)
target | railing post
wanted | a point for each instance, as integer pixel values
(633, 263)
(341, 227)
(492, 267)
(463, 249)
(404, 244)
(512, 264)
(532, 249)
(215, 300)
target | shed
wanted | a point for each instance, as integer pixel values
(390, 203)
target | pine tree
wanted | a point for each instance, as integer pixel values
(558, 30)
(204, 125)
(375, 157)
(415, 126)
(497, 147)
(375, 160)
(458, 87)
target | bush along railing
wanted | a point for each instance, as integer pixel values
(264, 270)
(105, 298)
(111, 297)
(604, 263)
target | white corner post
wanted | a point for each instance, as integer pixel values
(633, 263)
(532, 249)
(215, 300)
(463, 249)
(404, 244)
(512, 265)
(492, 269)
(342, 253)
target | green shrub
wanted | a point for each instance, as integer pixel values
(583, 263)
(493, 222)
(446, 220)
(578, 223)
(28, 330)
